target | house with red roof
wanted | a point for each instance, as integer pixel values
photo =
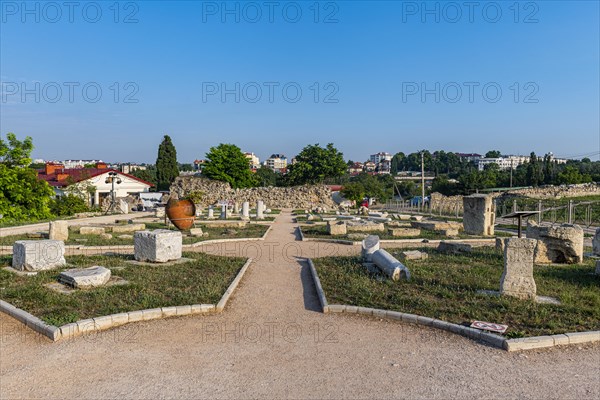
(61, 179)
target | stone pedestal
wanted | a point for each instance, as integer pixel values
(158, 246)
(336, 228)
(236, 208)
(211, 212)
(260, 208)
(479, 215)
(517, 278)
(245, 210)
(223, 212)
(38, 255)
(59, 230)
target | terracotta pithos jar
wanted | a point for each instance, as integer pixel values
(181, 213)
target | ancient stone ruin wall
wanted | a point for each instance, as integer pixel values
(446, 204)
(559, 192)
(274, 197)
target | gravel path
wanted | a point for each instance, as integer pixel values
(271, 342)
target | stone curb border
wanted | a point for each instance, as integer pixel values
(127, 247)
(529, 343)
(430, 241)
(102, 323)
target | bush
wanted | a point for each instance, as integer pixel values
(68, 205)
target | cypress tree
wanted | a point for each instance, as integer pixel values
(166, 164)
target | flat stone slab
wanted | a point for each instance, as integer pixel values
(66, 289)
(86, 277)
(413, 255)
(19, 273)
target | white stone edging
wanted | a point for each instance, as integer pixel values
(535, 342)
(105, 322)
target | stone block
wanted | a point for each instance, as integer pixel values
(448, 232)
(159, 212)
(454, 248)
(413, 255)
(410, 318)
(169, 311)
(128, 228)
(351, 309)
(394, 315)
(184, 310)
(196, 232)
(38, 255)
(517, 278)
(405, 232)
(560, 339)
(103, 323)
(86, 277)
(583, 337)
(479, 215)
(336, 228)
(365, 226)
(598, 267)
(92, 230)
(120, 319)
(106, 236)
(135, 316)
(561, 244)
(365, 311)
(536, 342)
(154, 313)
(69, 330)
(157, 246)
(86, 326)
(59, 230)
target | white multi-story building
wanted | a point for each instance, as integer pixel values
(379, 157)
(253, 160)
(504, 162)
(277, 162)
(71, 164)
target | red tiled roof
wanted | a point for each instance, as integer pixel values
(79, 174)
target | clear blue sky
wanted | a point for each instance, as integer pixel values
(375, 57)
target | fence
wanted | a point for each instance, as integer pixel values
(449, 209)
(584, 213)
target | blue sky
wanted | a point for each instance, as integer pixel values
(162, 68)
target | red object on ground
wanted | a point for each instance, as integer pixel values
(181, 213)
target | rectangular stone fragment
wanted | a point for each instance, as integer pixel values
(169, 311)
(159, 246)
(104, 322)
(86, 326)
(58, 230)
(517, 278)
(92, 230)
(128, 228)
(351, 309)
(394, 315)
(184, 310)
(479, 215)
(38, 255)
(410, 318)
(365, 311)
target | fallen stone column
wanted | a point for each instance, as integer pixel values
(389, 265)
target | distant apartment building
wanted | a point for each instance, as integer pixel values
(384, 167)
(277, 162)
(73, 164)
(470, 157)
(369, 166)
(253, 161)
(504, 162)
(129, 168)
(356, 168)
(379, 157)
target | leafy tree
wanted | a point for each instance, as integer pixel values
(354, 191)
(535, 175)
(265, 176)
(167, 168)
(22, 195)
(68, 205)
(493, 154)
(315, 163)
(148, 174)
(396, 164)
(442, 184)
(571, 175)
(186, 167)
(227, 163)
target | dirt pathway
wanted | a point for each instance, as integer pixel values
(271, 342)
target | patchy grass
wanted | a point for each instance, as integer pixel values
(201, 281)
(249, 231)
(445, 287)
(320, 232)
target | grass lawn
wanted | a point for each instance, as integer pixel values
(320, 232)
(249, 231)
(201, 281)
(445, 287)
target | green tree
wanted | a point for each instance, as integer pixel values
(493, 154)
(315, 163)
(265, 176)
(68, 205)
(22, 195)
(571, 175)
(227, 163)
(186, 167)
(354, 191)
(396, 164)
(535, 174)
(167, 168)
